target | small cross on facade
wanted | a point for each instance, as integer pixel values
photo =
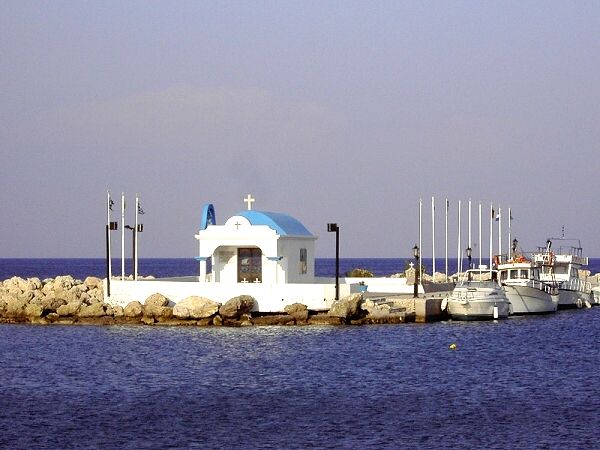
(237, 225)
(411, 265)
(249, 200)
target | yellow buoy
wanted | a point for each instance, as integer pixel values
(452, 346)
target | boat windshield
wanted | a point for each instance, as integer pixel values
(479, 278)
(478, 284)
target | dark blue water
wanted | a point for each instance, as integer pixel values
(528, 383)
(169, 267)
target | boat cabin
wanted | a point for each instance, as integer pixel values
(518, 272)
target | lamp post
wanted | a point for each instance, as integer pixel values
(514, 247)
(110, 226)
(135, 230)
(469, 254)
(334, 228)
(417, 270)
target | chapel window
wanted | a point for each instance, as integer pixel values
(303, 261)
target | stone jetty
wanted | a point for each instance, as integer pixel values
(65, 300)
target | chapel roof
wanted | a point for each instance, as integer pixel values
(283, 224)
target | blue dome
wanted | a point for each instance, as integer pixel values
(283, 224)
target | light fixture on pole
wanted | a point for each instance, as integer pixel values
(334, 228)
(137, 229)
(417, 270)
(469, 254)
(514, 246)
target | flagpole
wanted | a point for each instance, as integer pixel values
(446, 234)
(108, 256)
(480, 243)
(470, 241)
(509, 232)
(491, 233)
(135, 239)
(500, 232)
(420, 237)
(433, 237)
(459, 253)
(122, 235)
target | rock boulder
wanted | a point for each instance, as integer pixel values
(195, 307)
(133, 309)
(153, 306)
(235, 307)
(298, 311)
(93, 310)
(69, 309)
(346, 307)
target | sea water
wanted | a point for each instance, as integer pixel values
(172, 267)
(526, 382)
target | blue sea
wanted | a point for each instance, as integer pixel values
(170, 267)
(525, 382)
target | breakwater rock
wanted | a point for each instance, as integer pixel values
(65, 300)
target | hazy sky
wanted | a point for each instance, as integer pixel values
(332, 111)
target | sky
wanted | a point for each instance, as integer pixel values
(331, 111)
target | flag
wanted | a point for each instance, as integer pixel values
(140, 210)
(493, 213)
(497, 218)
(110, 203)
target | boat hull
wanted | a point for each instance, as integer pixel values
(477, 310)
(530, 300)
(571, 299)
(596, 296)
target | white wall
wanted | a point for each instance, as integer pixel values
(270, 297)
(289, 248)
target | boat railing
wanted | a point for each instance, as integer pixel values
(577, 284)
(545, 287)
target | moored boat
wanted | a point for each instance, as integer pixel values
(524, 289)
(562, 266)
(478, 296)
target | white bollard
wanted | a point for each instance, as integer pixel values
(495, 312)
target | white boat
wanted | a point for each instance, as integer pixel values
(478, 296)
(561, 266)
(524, 288)
(596, 295)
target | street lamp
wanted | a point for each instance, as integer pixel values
(334, 228)
(417, 270)
(469, 253)
(514, 247)
(110, 226)
(135, 231)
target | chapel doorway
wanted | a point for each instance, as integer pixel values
(249, 265)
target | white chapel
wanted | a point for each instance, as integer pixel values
(254, 246)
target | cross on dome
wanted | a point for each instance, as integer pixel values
(249, 200)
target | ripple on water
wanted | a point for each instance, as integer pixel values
(518, 383)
